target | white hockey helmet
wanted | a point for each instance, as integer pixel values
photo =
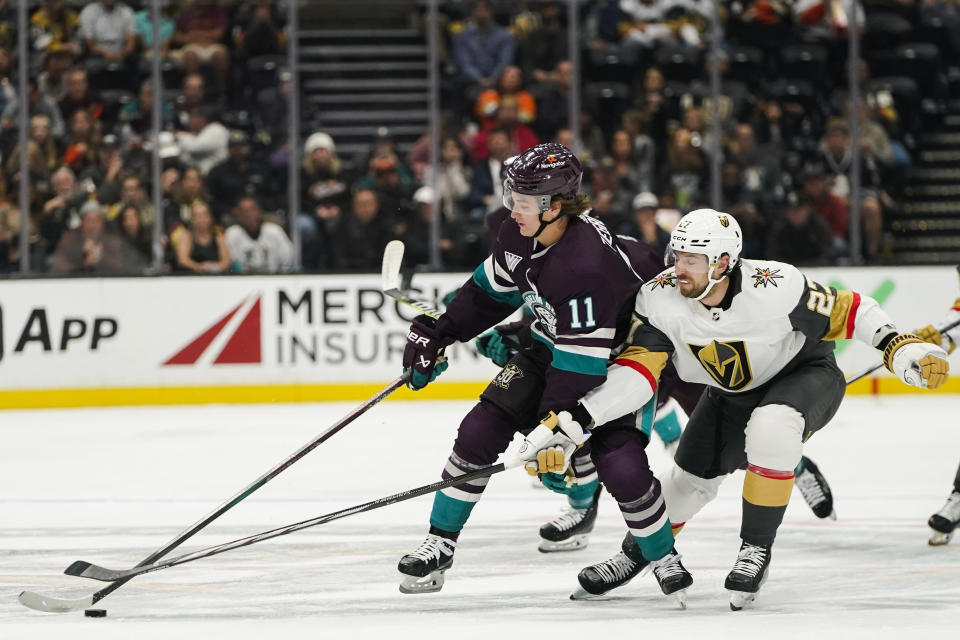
(710, 233)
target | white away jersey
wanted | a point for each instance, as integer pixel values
(770, 311)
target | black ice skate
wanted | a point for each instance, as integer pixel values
(597, 579)
(748, 575)
(673, 577)
(570, 531)
(944, 522)
(815, 490)
(423, 569)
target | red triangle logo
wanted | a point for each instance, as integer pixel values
(243, 347)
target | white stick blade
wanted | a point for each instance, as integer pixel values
(392, 261)
(47, 604)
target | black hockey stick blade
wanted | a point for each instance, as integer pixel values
(94, 571)
(84, 569)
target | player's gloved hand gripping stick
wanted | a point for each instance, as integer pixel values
(910, 367)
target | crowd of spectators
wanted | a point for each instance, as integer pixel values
(646, 134)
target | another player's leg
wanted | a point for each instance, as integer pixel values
(683, 492)
(622, 465)
(944, 522)
(773, 444)
(484, 433)
(570, 530)
(791, 410)
(814, 488)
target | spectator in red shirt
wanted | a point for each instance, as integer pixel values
(200, 30)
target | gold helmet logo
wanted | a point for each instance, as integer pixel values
(724, 221)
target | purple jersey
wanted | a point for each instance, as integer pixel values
(580, 291)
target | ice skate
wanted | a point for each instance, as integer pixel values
(944, 522)
(673, 577)
(748, 575)
(598, 579)
(423, 569)
(570, 531)
(815, 490)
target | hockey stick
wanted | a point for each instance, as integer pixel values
(108, 575)
(56, 605)
(390, 276)
(879, 365)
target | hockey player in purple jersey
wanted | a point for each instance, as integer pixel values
(578, 282)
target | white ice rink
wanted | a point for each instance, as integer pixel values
(110, 486)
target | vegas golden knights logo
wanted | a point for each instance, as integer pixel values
(507, 375)
(724, 221)
(726, 362)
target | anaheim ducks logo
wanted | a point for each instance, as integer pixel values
(726, 362)
(551, 158)
(663, 281)
(763, 277)
(724, 221)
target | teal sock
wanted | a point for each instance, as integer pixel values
(798, 468)
(657, 544)
(449, 513)
(581, 495)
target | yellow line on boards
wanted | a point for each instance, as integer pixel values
(259, 394)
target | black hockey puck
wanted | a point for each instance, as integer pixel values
(95, 613)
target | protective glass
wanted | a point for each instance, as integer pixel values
(695, 263)
(522, 204)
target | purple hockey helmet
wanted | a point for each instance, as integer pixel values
(546, 170)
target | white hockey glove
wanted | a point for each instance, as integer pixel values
(550, 446)
(916, 362)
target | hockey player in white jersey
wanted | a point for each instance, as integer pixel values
(757, 334)
(944, 522)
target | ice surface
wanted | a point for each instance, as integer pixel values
(111, 485)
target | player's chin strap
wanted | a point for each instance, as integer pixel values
(545, 223)
(711, 283)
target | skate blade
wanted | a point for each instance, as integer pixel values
(574, 543)
(583, 594)
(833, 515)
(740, 599)
(938, 538)
(681, 597)
(427, 584)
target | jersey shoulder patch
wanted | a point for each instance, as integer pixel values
(666, 279)
(777, 285)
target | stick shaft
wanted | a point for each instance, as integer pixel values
(313, 522)
(256, 484)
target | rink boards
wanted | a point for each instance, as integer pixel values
(128, 341)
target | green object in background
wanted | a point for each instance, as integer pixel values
(881, 294)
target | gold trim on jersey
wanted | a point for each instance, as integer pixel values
(726, 362)
(654, 361)
(839, 315)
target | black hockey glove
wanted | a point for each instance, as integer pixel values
(422, 352)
